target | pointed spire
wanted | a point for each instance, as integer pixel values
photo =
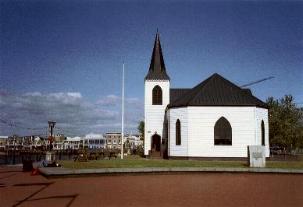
(157, 69)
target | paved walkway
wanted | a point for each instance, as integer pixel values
(192, 189)
(59, 172)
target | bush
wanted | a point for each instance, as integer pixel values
(139, 151)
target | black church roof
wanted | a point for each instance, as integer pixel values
(176, 93)
(214, 91)
(157, 69)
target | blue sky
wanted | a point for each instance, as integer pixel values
(73, 51)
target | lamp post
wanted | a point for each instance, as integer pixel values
(50, 156)
(14, 152)
(51, 125)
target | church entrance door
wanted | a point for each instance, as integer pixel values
(156, 141)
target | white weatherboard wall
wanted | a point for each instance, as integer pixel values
(262, 114)
(198, 130)
(154, 114)
(173, 116)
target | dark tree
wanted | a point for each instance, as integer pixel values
(285, 123)
(141, 128)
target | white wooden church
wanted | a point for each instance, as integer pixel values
(215, 119)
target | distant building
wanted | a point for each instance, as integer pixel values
(3, 141)
(27, 142)
(72, 143)
(94, 141)
(90, 141)
(59, 138)
(133, 141)
(40, 142)
(113, 140)
(14, 142)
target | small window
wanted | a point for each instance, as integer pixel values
(157, 95)
(223, 132)
(262, 133)
(178, 132)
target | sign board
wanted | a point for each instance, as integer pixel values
(256, 156)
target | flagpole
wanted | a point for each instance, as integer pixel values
(122, 134)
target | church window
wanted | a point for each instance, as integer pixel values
(178, 132)
(157, 95)
(263, 133)
(223, 132)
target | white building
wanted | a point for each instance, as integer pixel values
(94, 141)
(113, 140)
(72, 143)
(133, 140)
(3, 142)
(90, 141)
(214, 119)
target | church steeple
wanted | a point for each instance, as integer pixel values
(157, 69)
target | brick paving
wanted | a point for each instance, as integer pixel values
(190, 189)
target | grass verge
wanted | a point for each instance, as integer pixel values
(140, 163)
(285, 164)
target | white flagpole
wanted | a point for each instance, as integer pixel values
(122, 134)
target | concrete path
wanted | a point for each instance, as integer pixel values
(59, 171)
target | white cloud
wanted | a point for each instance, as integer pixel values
(75, 95)
(110, 100)
(33, 94)
(74, 115)
(113, 100)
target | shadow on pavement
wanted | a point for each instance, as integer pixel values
(45, 185)
(73, 197)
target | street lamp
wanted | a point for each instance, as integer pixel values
(50, 156)
(14, 154)
(51, 125)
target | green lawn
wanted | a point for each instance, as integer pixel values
(285, 164)
(140, 162)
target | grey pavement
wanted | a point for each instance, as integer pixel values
(60, 171)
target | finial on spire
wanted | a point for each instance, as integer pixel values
(157, 35)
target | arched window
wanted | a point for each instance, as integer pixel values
(223, 132)
(262, 133)
(157, 95)
(178, 132)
